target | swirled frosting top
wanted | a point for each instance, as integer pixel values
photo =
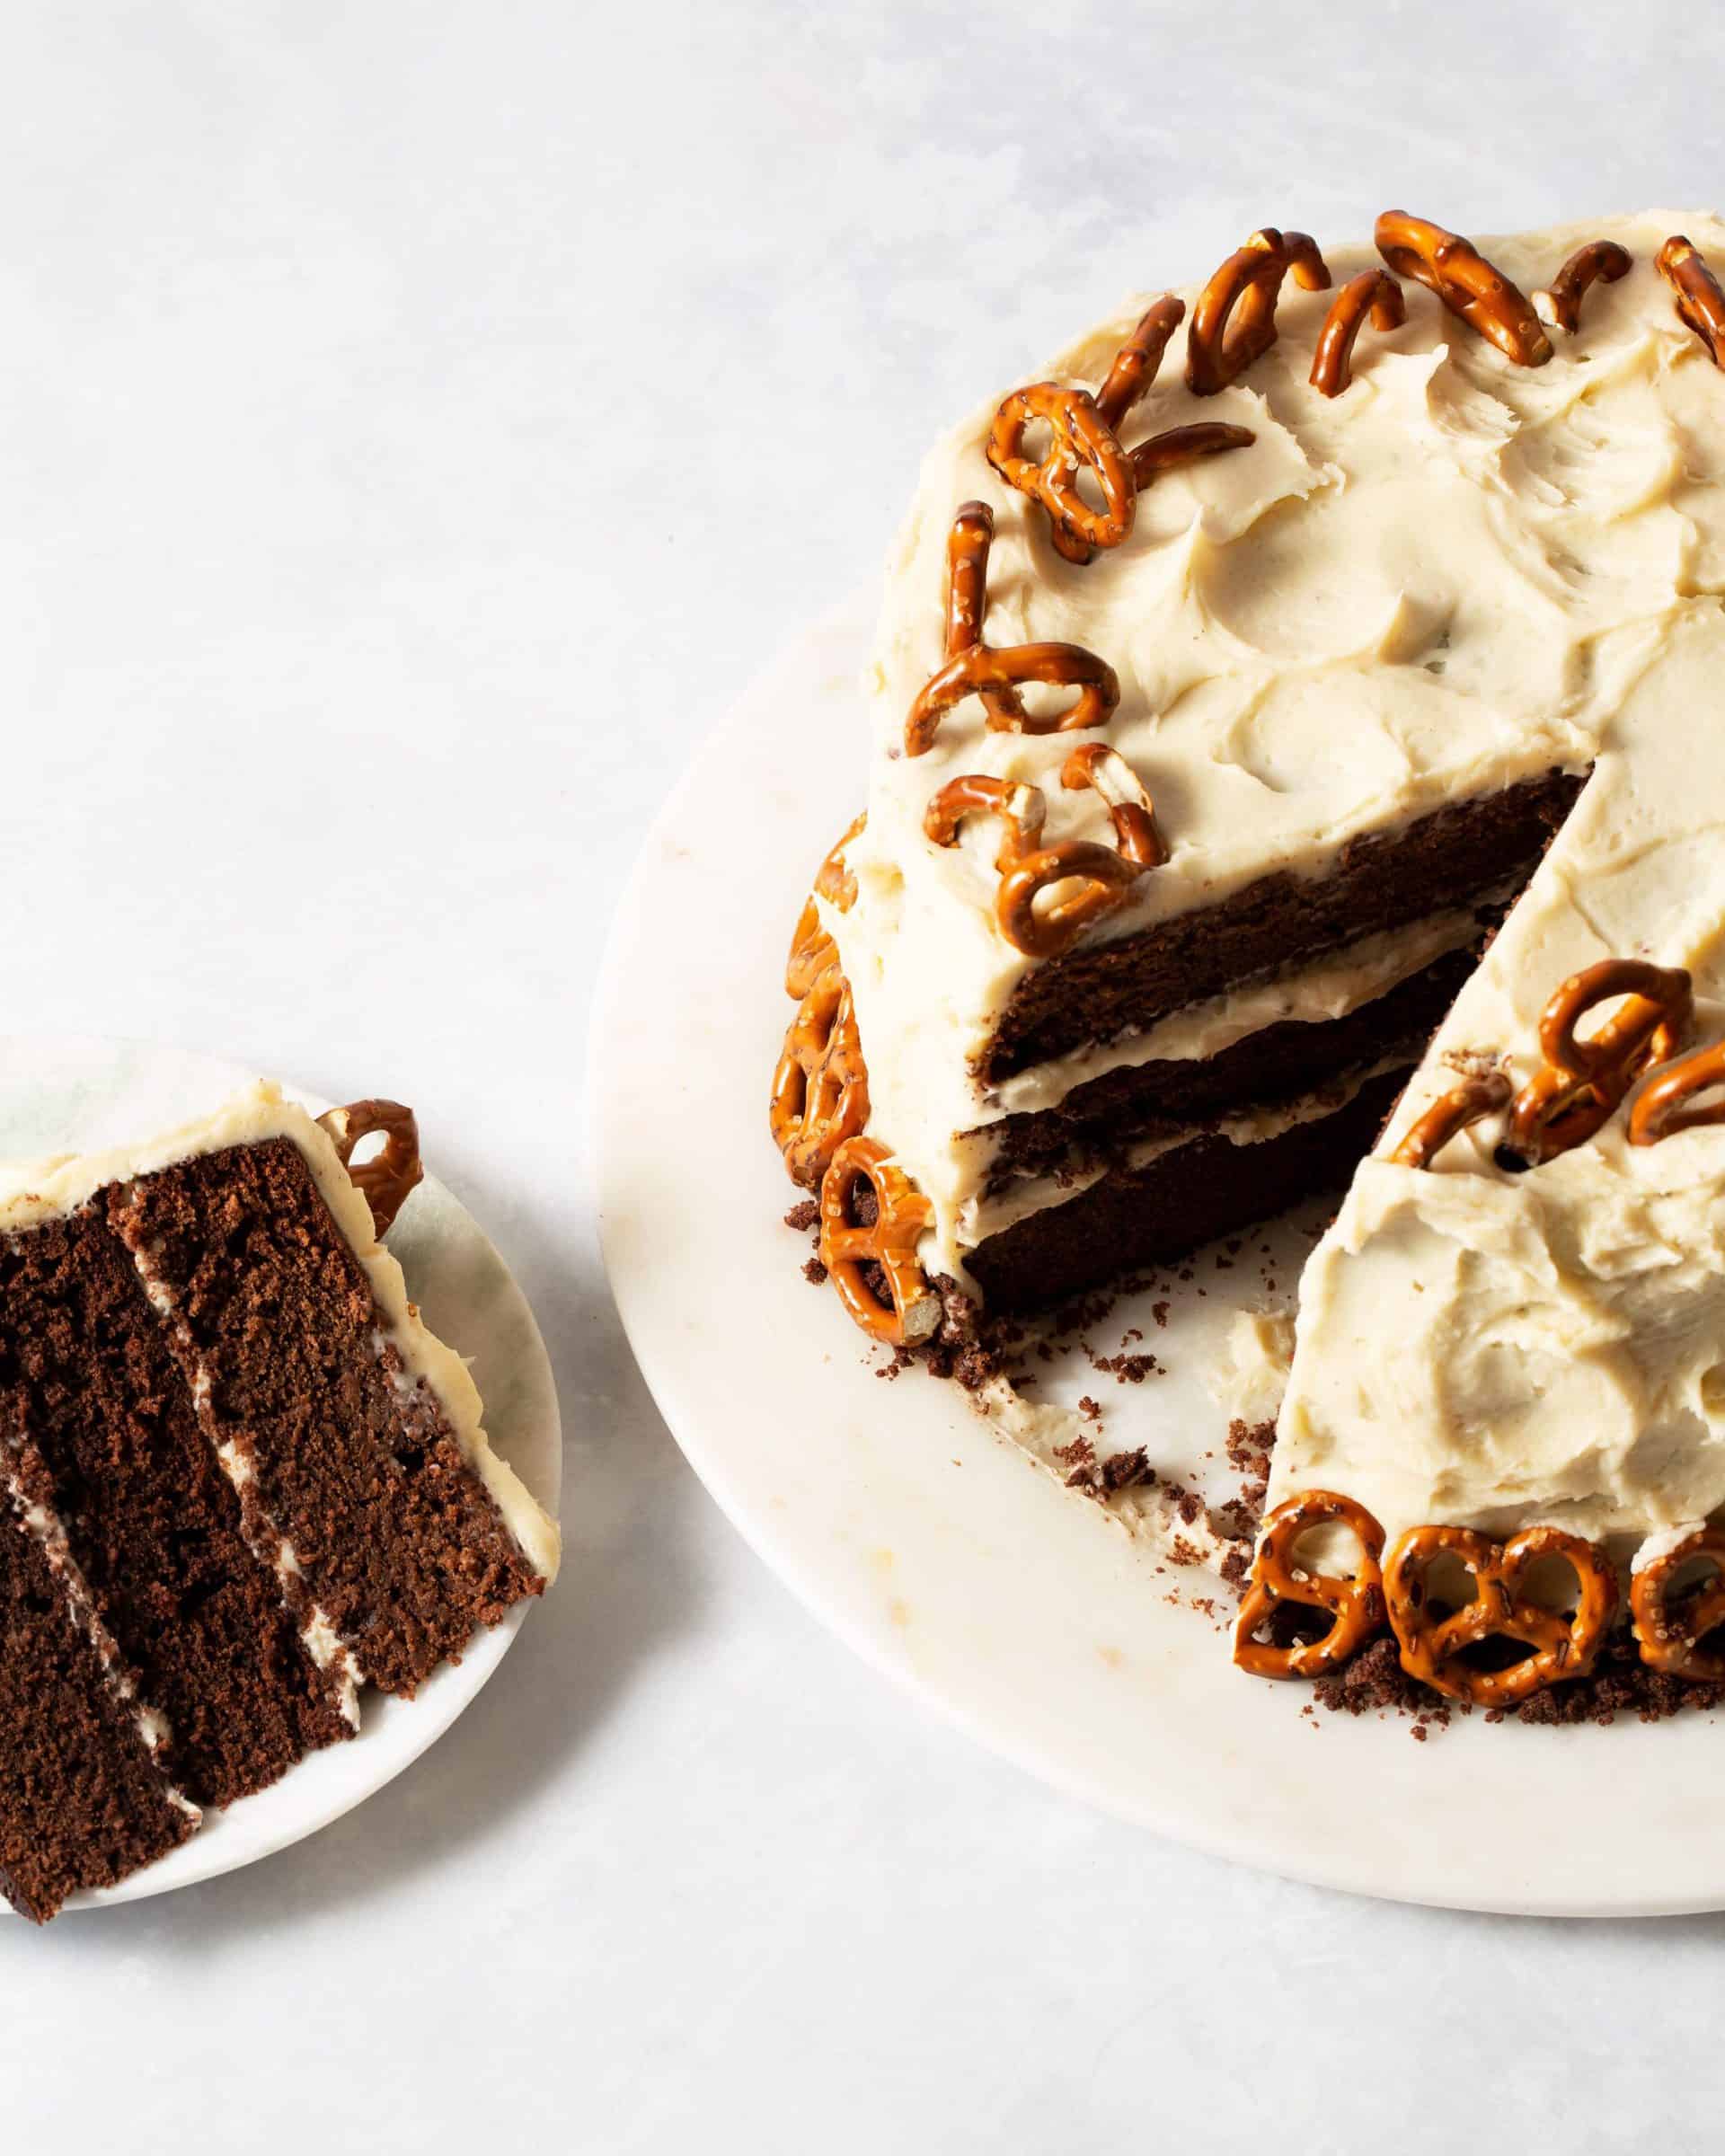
(1458, 574)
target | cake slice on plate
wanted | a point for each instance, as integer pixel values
(254, 1480)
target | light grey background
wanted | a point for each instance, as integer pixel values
(417, 421)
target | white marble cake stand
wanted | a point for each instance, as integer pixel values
(77, 1095)
(930, 1546)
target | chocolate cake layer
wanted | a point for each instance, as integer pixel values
(1099, 1119)
(151, 1522)
(271, 1317)
(82, 1801)
(1210, 1187)
(1381, 880)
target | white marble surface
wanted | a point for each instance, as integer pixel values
(418, 422)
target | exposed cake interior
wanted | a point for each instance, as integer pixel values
(107, 1437)
(327, 1435)
(82, 1801)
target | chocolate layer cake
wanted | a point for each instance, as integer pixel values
(1264, 715)
(224, 1424)
(1231, 683)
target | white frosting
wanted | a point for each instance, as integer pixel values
(31, 1193)
(1458, 574)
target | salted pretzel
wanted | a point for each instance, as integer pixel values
(1129, 807)
(811, 947)
(1669, 1635)
(1661, 1110)
(852, 1250)
(1559, 304)
(820, 1088)
(1432, 1647)
(1135, 364)
(1177, 446)
(1467, 284)
(1374, 292)
(1582, 1083)
(1355, 1605)
(1021, 809)
(1080, 440)
(384, 1180)
(1221, 345)
(1449, 1115)
(976, 668)
(1700, 304)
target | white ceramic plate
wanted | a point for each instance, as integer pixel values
(79, 1095)
(931, 1545)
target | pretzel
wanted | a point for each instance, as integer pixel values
(1219, 351)
(384, 1180)
(1583, 1081)
(848, 1250)
(1448, 1115)
(1660, 1113)
(1137, 359)
(1022, 809)
(1668, 1637)
(1700, 304)
(1080, 440)
(1129, 806)
(1374, 292)
(1432, 1647)
(1355, 1604)
(820, 1089)
(1178, 446)
(1559, 304)
(1467, 284)
(976, 668)
(812, 949)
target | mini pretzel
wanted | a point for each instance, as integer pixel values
(1467, 284)
(1661, 1112)
(820, 1089)
(1583, 1081)
(1102, 876)
(1081, 439)
(1432, 1647)
(1700, 304)
(1449, 1115)
(1671, 1638)
(1355, 1604)
(1129, 807)
(811, 947)
(1022, 809)
(903, 1215)
(1178, 446)
(976, 668)
(1218, 350)
(1374, 292)
(1137, 359)
(1559, 304)
(384, 1180)
(1028, 869)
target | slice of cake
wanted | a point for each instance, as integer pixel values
(1232, 681)
(222, 1419)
